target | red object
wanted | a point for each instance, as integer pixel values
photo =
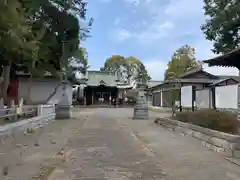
(13, 89)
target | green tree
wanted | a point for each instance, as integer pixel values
(130, 67)
(40, 36)
(65, 25)
(182, 61)
(223, 24)
(79, 63)
(113, 63)
(15, 39)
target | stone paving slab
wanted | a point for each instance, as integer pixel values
(106, 144)
(104, 149)
(182, 157)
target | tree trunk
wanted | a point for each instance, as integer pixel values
(5, 82)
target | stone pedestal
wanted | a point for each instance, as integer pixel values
(63, 111)
(64, 107)
(141, 107)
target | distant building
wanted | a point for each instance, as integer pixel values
(198, 78)
(102, 88)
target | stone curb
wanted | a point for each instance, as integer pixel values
(227, 144)
(234, 161)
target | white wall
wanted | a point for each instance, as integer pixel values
(186, 96)
(59, 92)
(227, 96)
(40, 89)
(203, 98)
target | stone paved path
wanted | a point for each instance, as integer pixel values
(112, 146)
(26, 155)
(106, 144)
(181, 157)
(105, 150)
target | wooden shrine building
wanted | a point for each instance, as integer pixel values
(102, 88)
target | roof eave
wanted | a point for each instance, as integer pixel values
(224, 56)
(211, 64)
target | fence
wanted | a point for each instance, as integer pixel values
(43, 115)
(17, 113)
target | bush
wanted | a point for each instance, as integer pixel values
(212, 119)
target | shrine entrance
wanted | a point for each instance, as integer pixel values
(100, 95)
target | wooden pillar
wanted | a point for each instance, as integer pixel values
(161, 98)
(110, 98)
(92, 98)
(84, 98)
(152, 99)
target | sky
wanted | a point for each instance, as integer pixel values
(150, 30)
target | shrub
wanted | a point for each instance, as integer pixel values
(212, 119)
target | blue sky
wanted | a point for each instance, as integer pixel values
(150, 30)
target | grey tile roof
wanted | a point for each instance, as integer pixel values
(95, 78)
(224, 79)
(195, 70)
(236, 78)
(194, 80)
(153, 83)
(187, 80)
(192, 71)
(225, 60)
(219, 81)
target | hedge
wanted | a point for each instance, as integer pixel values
(212, 119)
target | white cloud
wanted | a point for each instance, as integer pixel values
(134, 2)
(171, 20)
(173, 24)
(120, 35)
(155, 68)
(152, 33)
(184, 9)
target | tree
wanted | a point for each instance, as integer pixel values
(129, 68)
(63, 21)
(79, 63)
(182, 61)
(137, 69)
(113, 63)
(222, 24)
(40, 36)
(15, 39)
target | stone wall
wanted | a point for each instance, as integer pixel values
(46, 114)
(224, 143)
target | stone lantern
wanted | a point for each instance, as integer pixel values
(141, 107)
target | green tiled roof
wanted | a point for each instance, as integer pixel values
(96, 78)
